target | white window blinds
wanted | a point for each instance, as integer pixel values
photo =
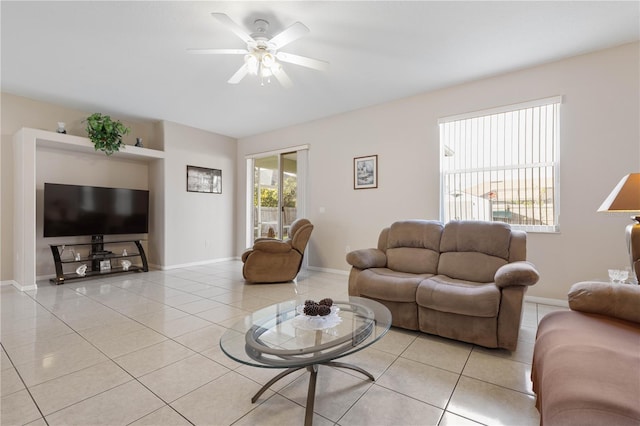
(502, 165)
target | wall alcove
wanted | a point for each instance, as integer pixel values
(27, 143)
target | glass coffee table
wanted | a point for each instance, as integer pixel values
(281, 336)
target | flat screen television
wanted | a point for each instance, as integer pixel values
(71, 210)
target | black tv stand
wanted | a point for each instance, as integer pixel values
(97, 248)
(98, 260)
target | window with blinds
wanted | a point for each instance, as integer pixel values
(502, 165)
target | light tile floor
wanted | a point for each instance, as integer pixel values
(142, 349)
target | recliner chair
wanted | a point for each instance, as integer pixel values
(273, 261)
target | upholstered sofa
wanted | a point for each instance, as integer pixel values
(272, 261)
(586, 361)
(462, 280)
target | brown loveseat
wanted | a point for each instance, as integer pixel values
(272, 261)
(464, 280)
(586, 362)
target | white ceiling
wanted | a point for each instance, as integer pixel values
(129, 58)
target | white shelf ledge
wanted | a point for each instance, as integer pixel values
(62, 141)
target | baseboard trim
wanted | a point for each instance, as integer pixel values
(330, 271)
(546, 301)
(201, 263)
(18, 286)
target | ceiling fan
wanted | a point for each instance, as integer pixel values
(263, 51)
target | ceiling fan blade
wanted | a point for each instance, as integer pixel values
(239, 75)
(218, 51)
(283, 78)
(288, 35)
(303, 61)
(235, 28)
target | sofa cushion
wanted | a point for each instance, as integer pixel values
(586, 370)
(415, 233)
(412, 260)
(385, 284)
(444, 294)
(617, 301)
(413, 246)
(491, 238)
(470, 266)
(474, 251)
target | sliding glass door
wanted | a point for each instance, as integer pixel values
(275, 194)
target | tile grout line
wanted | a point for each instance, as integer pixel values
(109, 358)
(200, 352)
(25, 385)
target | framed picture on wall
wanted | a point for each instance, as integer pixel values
(201, 179)
(365, 172)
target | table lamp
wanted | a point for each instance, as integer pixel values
(625, 197)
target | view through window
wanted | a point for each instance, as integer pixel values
(502, 165)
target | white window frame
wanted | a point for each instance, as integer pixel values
(446, 124)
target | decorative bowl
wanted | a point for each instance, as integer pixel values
(316, 322)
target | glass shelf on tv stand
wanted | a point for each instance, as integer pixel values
(100, 256)
(96, 259)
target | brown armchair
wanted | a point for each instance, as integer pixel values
(273, 261)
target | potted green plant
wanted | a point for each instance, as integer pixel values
(105, 133)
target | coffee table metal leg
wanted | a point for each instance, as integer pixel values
(272, 381)
(311, 395)
(350, 367)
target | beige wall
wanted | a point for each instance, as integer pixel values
(199, 227)
(600, 142)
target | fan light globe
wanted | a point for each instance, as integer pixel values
(252, 64)
(268, 60)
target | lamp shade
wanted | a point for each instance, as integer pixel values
(625, 197)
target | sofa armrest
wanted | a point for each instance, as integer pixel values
(272, 246)
(367, 258)
(614, 300)
(266, 239)
(516, 273)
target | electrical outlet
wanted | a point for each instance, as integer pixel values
(347, 249)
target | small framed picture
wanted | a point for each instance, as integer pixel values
(105, 265)
(201, 179)
(365, 172)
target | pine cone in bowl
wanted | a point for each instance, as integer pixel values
(324, 310)
(326, 302)
(311, 310)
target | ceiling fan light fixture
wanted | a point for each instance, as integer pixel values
(266, 72)
(262, 56)
(268, 60)
(253, 64)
